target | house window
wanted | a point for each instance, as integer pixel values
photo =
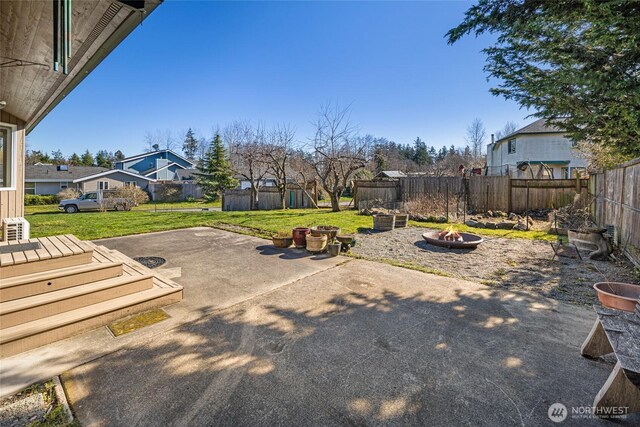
(564, 173)
(103, 185)
(64, 185)
(130, 184)
(511, 146)
(29, 188)
(7, 160)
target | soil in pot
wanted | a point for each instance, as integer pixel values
(299, 236)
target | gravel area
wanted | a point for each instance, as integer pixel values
(22, 409)
(516, 264)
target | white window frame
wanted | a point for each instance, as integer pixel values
(13, 144)
(102, 187)
(131, 184)
(35, 188)
(64, 185)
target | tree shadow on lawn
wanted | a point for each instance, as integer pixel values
(320, 356)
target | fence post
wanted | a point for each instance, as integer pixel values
(447, 201)
(526, 209)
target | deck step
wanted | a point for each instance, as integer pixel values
(27, 336)
(54, 280)
(41, 265)
(26, 310)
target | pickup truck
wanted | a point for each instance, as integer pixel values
(94, 201)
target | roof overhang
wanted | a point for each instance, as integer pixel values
(30, 86)
(109, 172)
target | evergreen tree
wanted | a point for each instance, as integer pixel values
(190, 145)
(420, 155)
(118, 156)
(104, 159)
(74, 160)
(57, 157)
(86, 159)
(214, 171)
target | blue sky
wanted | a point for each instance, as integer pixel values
(200, 64)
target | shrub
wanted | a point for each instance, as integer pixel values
(167, 192)
(138, 195)
(68, 193)
(35, 199)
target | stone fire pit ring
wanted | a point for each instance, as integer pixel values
(470, 241)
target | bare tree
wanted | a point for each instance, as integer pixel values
(302, 172)
(508, 129)
(247, 154)
(476, 134)
(337, 153)
(278, 151)
(160, 140)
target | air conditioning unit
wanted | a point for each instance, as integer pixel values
(15, 229)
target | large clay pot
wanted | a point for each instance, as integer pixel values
(281, 242)
(329, 230)
(316, 244)
(300, 236)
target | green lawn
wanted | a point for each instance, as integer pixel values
(144, 207)
(96, 225)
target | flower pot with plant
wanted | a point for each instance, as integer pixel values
(334, 247)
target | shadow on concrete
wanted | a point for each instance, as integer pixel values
(289, 253)
(310, 355)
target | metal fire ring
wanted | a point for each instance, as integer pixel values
(150, 261)
(470, 241)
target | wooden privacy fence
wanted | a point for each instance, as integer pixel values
(482, 193)
(616, 196)
(269, 198)
(185, 190)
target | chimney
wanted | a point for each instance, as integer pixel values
(493, 137)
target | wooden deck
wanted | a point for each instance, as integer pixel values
(54, 252)
(67, 286)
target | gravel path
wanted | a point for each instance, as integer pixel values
(508, 263)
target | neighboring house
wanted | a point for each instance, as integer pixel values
(161, 165)
(391, 174)
(538, 150)
(244, 183)
(112, 178)
(45, 179)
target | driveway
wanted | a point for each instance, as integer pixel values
(354, 343)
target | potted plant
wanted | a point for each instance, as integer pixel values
(334, 247)
(300, 236)
(282, 239)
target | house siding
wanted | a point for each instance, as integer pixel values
(532, 148)
(115, 180)
(51, 188)
(150, 161)
(12, 201)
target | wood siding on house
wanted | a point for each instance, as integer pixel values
(12, 201)
(115, 180)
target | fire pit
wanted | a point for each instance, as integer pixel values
(453, 239)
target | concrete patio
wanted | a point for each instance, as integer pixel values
(268, 337)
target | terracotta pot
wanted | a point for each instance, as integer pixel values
(621, 296)
(281, 242)
(300, 236)
(316, 244)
